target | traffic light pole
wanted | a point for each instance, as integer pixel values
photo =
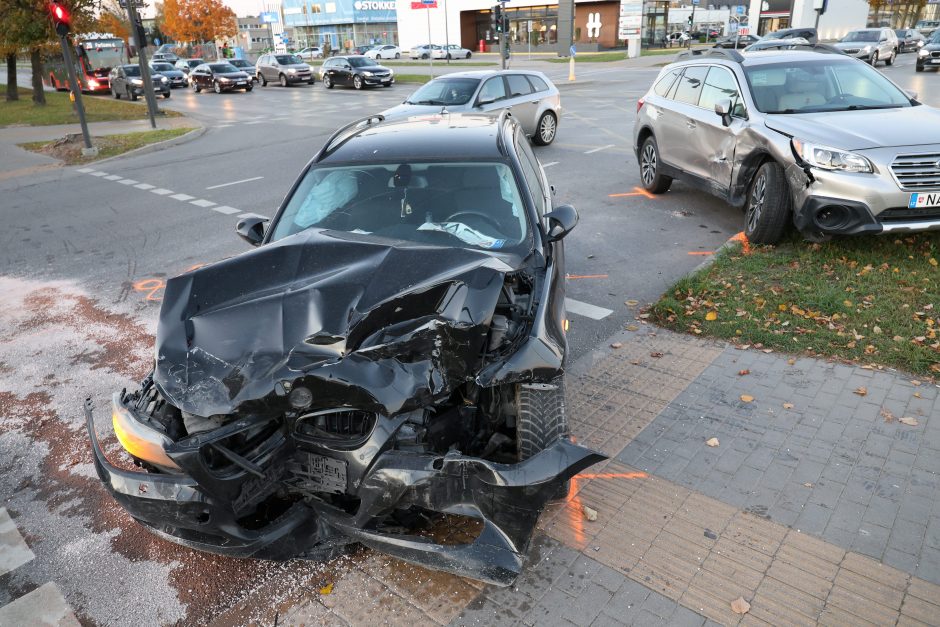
(141, 43)
(89, 150)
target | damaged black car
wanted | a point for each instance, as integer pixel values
(390, 352)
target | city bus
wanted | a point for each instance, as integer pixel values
(95, 54)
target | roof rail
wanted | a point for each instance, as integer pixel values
(729, 54)
(345, 133)
(784, 45)
(503, 114)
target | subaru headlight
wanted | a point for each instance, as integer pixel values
(366, 73)
(163, 79)
(291, 71)
(866, 49)
(222, 79)
(826, 158)
(136, 81)
(923, 53)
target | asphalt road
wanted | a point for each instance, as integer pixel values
(85, 251)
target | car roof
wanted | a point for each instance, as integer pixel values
(763, 57)
(488, 73)
(436, 137)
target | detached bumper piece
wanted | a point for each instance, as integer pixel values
(507, 498)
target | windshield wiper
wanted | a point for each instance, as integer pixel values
(861, 107)
(436, 103)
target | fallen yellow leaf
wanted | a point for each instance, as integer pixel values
(907, 420)
(711, 442)
(327, 589)
(616, 344)
(933, 262)
(740, 606)
(747, 398)
(861, 391)
(711, 315)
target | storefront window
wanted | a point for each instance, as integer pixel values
(528, 26)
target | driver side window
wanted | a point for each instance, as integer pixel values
(493, 90)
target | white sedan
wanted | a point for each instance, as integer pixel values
(313, 52)
(450, 52)
(386, 51)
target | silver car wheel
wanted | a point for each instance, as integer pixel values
(648, 165)
(547, 129)
(758, 194)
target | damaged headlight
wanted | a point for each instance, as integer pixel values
(138, 439)
(825, 158)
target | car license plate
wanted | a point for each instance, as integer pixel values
(924, 201)
(241, 82)
(935, 60)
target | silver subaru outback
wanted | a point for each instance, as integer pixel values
(804, 137)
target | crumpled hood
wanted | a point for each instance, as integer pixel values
(861, 130)
(377, 324)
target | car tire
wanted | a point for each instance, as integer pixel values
(397, 55)
(262, 80)
(541, 417)
(216, 87)
(131, 95)
(166, 96)
(874, 58)
(357, 81)
(890, 60)
(545, 129)
(469, 54)
(328, 82)
(311, 82)
(283, 80)
(424, 56)
(249, 88)
(654, 181)
(448, 56)
(918, 68)
(196, 87)
(767, 206)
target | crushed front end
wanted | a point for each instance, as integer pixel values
(331, 406)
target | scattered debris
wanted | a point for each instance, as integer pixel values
(589, 514)
(657, 355)
(632, 327)
(788, 405)
(711, 535)
(616, 345)
(887, 415)
(791, 361)
(862, 391)
(744, 372)
(909, 421)
(915, 382)
(711, 442)
(327, 589)
(631, 303)
(917, 395)
(740, 606)
(807, 485)
(747, 398)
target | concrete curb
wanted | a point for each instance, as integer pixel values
(157, 146)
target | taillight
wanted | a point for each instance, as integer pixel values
(639, 105)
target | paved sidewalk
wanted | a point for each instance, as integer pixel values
(814, 507)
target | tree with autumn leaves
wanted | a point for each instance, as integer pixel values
(198, 21)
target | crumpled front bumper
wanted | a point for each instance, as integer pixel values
(507, 498)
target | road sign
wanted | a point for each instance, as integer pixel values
(695, 1)
(269, 17)
(744, 31)
(424, 4)
(739, 9)
(140, 4)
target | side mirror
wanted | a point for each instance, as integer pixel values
(561, 221)
(723, 108)
(485, 101)
(251, 230)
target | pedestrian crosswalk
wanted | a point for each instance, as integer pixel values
(44, 606)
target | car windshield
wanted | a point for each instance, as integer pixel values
(935, 38)
(361, 62)
(104, 54)
(222, 68)
(162, 67)
(861, 35)
(239, 63)
(131, 70)
(194, 62)
(813, 86)
(780, 34)
(288, 59)
(445, 91)
(467, 204)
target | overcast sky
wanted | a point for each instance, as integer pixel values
(242, 8)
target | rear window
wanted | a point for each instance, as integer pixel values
(690, 84)
(664, 84)
(518, 85)
(537, 83)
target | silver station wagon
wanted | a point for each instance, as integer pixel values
(533, 99)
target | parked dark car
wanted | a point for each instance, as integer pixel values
(929, 55)
(245, 66)
(743, 41)
(176, 77)
(126, 80)
(392, 350)
(285, 69)
(355, 70)
(909, 39)
(219, 77)
(809, 34)
(186, 65)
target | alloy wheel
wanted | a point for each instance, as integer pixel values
(547, 128)
(357, 82)
(756, 206)
(648, 165)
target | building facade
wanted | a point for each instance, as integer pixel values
(343, 24)
(253, 35)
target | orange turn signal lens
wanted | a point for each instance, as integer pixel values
(138, 439)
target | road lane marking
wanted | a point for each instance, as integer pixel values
(593, 150)
(223, 126)
(98, 173)
(254, 122)
(637, 191)
(202, 203)
(14, 552)
(144, 186)
(113, 177)
(182, 197)
(586, 309)
(86, 170)
(586, 276)
(549, 164)
(127, 182)
(161, 191)
(225, 209)
(43, 606)
(254, 178)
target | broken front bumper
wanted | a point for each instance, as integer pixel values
(507, 498)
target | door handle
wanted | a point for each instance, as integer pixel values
(535, 102)
(691, 124)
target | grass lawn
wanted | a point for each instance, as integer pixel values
(58, 109)
(871, 300)
(411, 78)
(108, 145)
(437, 62)
(592, 57)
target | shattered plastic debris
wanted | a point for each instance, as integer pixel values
(589, 514)
(712, 442)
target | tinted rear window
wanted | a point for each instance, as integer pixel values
(537, 83)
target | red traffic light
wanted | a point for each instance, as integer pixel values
(60, 18)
